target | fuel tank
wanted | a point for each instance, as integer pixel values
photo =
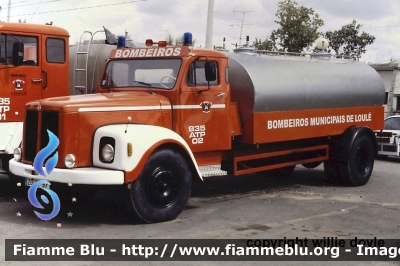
(269, 83)
(98, 53)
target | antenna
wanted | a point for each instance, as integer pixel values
(241, 26)
(129, 120)
(9, 7)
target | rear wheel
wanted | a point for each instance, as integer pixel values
(163, 188)
(358, 168)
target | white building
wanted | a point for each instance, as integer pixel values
(390, 73)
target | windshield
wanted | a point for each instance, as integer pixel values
(30, 49)
(156, 73)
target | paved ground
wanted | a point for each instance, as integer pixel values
(249, 207)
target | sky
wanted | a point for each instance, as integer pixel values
(233, 19)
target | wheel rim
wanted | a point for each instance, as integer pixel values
(162, 188)
(362, 161)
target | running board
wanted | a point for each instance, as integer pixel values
(273, 160)
(212, 170)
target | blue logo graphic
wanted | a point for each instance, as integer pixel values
(50, 165)
(44, 153)
(34, 201)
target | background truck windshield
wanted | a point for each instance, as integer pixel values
(30, 49)
(158, 73)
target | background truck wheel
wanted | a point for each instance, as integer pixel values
(14, 187)
(358, 168)
(281, 172)
(163, 188)
(332, 170)
(311, 165)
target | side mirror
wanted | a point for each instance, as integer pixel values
(210, 71)
(18, 53)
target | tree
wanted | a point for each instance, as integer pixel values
(177, 41)
(265, 45)
(298, 27)
(170, 40)
(348, 41)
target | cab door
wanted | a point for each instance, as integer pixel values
(205, 107)
(19, 84)
(55, 71)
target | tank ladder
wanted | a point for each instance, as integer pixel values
(81, 64)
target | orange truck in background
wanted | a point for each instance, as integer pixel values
(33, 65)
(36, 63)
(165, 116)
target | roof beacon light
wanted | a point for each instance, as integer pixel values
(149, 43)
(121, 42)
(187, 39)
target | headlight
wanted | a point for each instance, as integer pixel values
(17, 154)
(107, 153)
(69, 161)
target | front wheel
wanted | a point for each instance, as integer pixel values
(163, 188)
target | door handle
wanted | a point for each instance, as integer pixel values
(221, 94)
(36, 80)
(44, 79)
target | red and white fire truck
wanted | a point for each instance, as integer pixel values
(164, 116)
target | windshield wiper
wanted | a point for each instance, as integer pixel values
(146, 84)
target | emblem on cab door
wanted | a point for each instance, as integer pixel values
(18, 84)
(206, 105)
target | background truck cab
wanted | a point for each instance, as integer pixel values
(36, 62)
(33, 65)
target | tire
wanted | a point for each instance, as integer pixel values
(358, 168)
(162, 190)
(311, 165)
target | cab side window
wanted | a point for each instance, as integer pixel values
(197, 75)
(55, 50)
(30, 49)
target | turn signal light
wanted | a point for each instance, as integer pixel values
(130, 149)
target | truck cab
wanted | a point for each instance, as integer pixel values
(388, 138)
(33, 65)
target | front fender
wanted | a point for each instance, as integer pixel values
(145, 140)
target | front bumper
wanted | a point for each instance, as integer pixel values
(84, 176)
(390, 149)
